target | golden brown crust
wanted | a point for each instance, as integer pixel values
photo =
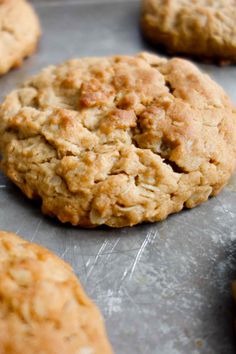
(19, 33)
(118, 140)
(202, 28)
(43, 308)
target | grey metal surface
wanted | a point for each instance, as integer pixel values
(163, 288)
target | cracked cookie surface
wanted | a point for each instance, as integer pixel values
(118, 140)
(43, 308)
(19, 33)
(201, 28)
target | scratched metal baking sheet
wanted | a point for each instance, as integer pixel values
(162, 288)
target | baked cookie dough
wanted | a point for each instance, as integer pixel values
(202, 28)
(43, 308)
(118, 140)
(19, 33)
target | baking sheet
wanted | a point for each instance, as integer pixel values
(162, 288)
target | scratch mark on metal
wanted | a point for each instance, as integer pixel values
(64, 252)
(19, 228)
(88, 263)
(122, 251)
(83, 260)
(125, 291)
(102, 279)
(139, 254)
(125, 273)
(112, 249)
(97, 256)
(36, 230)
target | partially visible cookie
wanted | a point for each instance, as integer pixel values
(202, 28)
(43, 308)
(118, 140)
(19, 33)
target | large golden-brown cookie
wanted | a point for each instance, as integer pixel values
(202, 28)
(19, 33)
(43, 308)
(118, 140)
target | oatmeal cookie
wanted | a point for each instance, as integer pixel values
(118, 140)
(19, 33)
(202, 28)
(43, 308)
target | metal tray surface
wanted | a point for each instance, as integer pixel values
(162, 288)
